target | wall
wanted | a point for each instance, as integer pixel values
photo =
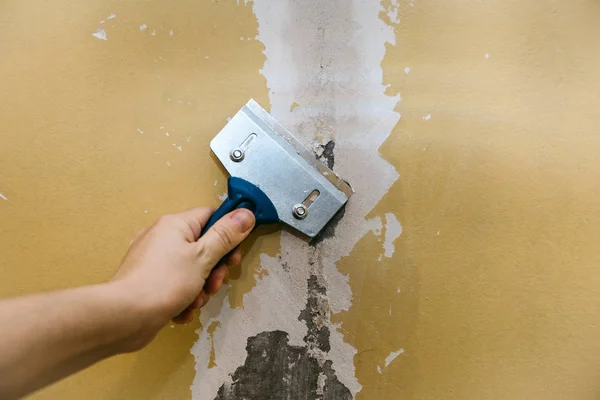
(465, 266)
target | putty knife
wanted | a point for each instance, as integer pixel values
(274, 175)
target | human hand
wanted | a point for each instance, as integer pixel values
(168, 270)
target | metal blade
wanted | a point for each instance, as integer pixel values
(255, 147)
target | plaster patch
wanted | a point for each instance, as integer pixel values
(326, 56)
(3, 197)
(100, 34)
(141, 132)
(406, 70)
(427, 117)
(223, 196)
(393, 229)
(143, 27)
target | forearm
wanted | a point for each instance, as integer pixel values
(46, 337)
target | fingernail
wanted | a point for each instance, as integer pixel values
(245, 218)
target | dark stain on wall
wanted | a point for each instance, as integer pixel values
(327, 157)
(275, 370)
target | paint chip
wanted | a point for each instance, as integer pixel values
(171, 32)
(487, 55)
(223, 196)
(393, 356)
(100, 34)
(143, 27)
(168, 164)
(407, 70)
(398, 290)
(427, 117)
(3, 197)
(393, 229)
(166, 133)
(140, 131)
(216, 183)
(438, 232)
(179, 148)
(153, 32)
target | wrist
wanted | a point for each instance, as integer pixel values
(137, 322)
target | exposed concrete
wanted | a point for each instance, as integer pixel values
(274, 369)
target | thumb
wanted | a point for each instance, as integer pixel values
(225, 235)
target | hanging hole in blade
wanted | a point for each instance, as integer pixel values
(312, 197)
(238, 153)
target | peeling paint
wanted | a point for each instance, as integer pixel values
(393, 229)
(274, 369)
(327, 58)
(392, 356)
(100, 34)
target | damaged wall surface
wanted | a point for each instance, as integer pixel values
(465, 265)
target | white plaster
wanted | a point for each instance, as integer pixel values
(379, 369)
(392, 12)
(3, 197)
(143, 27)
(427, 117)
(223, 196)
(407, 70)
(168, 164)
(216, 183)
(167, 134)
(325, 55)
(487, 55)
(153, 32)
(180, 148)
(111, 16)
(393, 356)
(393, 229)
(140, 131)
(171, 32)
(100, 34)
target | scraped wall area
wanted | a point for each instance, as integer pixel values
(465, 266)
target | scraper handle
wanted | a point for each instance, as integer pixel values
(243, 194)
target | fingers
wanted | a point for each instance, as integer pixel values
(234, 258)
(224, 236)
(215, 280)
(185, 317)
(196, 218)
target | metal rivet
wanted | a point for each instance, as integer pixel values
(299, 211)
(237, 154)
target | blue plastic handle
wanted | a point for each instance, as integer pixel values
(243, 194)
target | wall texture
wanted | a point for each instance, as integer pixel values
(466, 264)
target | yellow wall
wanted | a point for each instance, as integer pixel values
(497, 265)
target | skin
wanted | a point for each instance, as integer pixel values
(166, 275)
